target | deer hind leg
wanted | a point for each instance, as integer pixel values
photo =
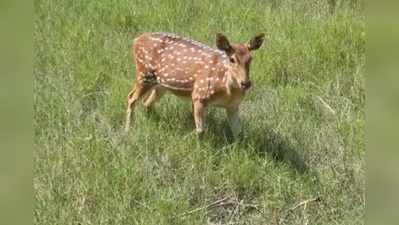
(153, 97)
(234, 120)
(199, 116)
(134, 96)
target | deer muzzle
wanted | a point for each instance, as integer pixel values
(245, 85)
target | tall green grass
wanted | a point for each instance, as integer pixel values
(303, 120)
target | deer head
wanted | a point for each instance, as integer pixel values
(240, 58)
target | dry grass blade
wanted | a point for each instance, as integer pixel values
(305, 202)
(217, 203)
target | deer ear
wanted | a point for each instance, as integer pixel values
(256, 42)
(223, 43)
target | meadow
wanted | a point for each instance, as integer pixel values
(300, 159)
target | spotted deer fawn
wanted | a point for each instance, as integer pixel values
(187, 68)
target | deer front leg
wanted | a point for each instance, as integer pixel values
(199, 114)
(234, 120)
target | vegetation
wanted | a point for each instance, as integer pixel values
(303, 120)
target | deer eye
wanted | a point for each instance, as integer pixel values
(232, 60)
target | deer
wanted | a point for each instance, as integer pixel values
(166, 62)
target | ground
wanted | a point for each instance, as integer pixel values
(303, 120)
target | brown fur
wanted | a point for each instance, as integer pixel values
(189, 69)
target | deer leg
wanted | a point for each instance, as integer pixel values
(234, 120)
(154, 96)
(134, 96)
(199, 114)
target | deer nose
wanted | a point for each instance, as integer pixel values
(246, 84)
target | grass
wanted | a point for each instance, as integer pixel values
(303, 120)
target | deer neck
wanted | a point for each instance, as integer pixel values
(232, 84)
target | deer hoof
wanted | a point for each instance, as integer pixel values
(200, 132)
(127, 128)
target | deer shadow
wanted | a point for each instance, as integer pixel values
(268, 142)
(263, 139)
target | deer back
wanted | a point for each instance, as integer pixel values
(181, 64)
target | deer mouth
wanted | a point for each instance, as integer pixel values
(245, 85)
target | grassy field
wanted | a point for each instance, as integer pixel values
(303, 120)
